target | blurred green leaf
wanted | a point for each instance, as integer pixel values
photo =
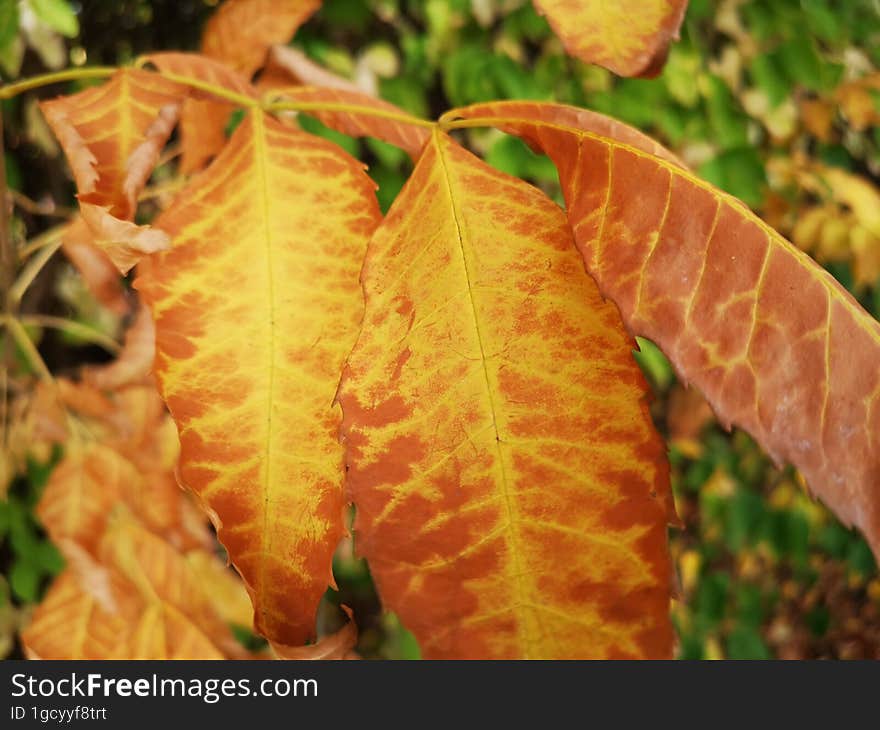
(654, 364)
(9, 19)
(738, 171)
(745, 642)
(24, 580)
(58, 15)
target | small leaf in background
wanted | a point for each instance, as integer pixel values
(59, 15)
(9, 19)
(631, 38)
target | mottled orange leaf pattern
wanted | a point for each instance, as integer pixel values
(256, 306)
(511, 493)
(629, 37)
(241, 32)
(775, 343)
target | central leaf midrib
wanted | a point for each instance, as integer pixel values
(260, 161)
(458, 219)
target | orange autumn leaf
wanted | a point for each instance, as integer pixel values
(500, 113)
(629, 37)
(512, 496)
(222, 587)
(165, 581)
(256, 306)
(81, 492)
(204, 117)
(241, 32)
(76, 622)
(113, 134)
(71, 623)
(774, 342)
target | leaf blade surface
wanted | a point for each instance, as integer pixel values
(508, 482)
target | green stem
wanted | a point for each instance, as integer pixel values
(212, 89)
(469, 123)
(13, 326)
(70, 74)
(30, 272)
(307, 106)
(46, 238)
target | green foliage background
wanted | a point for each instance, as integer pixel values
(764, 570)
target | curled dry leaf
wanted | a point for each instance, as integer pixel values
(135, 361)
(447, 451)
(124, 242)
(339, 645)
(97, 270)
(629, 37)
(774, 342)
(256, 306)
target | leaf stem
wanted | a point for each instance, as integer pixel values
(31, 270)
(445, 123)
(49, 210)
(35, 360)
(307, 106)
(46, 238)
(70, 74)
(212, 89)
